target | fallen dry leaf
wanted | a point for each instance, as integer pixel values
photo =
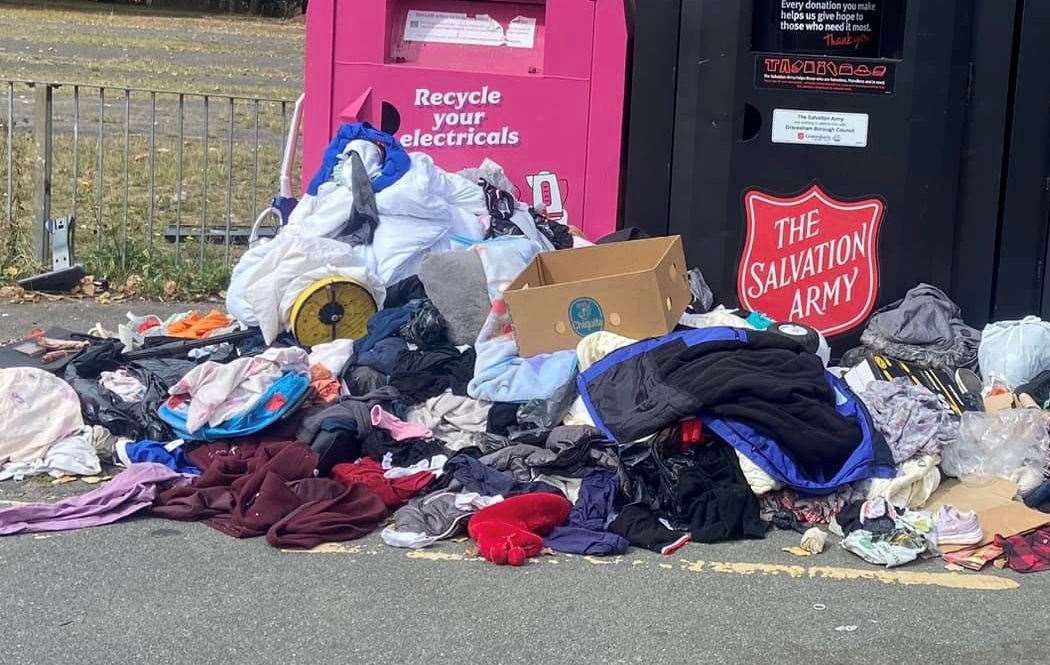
(797, 551)
(87, 286)
(132, 284)
(94, 480)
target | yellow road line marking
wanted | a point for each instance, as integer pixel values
(970, 581)
(438, 555)
(329, 548)
(975, 582)
(603, 561)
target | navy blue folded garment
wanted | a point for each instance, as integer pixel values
(382, 357)
(586, 531)
(763, 393)
(473, 476)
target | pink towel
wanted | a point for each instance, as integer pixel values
(398, 428)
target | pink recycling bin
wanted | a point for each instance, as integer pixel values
(535, 85)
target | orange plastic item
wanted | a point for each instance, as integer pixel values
(197, 326)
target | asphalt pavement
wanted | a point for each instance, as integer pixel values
(149, 590)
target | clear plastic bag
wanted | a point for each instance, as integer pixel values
(703, 298)
(1015, 350)
(134, 332)
(1012, 444)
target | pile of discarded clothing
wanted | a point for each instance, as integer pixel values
(430, 424)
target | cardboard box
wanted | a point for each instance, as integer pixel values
(637, 289)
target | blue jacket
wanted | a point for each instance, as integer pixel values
(396, 165)
(636, 380)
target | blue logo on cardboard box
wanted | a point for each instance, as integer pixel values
(586, 316)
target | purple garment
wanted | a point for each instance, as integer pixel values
(130, 491)
(586, 533)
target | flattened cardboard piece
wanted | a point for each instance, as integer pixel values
(637, 289)
(997, 512)
(1000, 402)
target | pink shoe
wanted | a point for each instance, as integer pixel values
(957, 528)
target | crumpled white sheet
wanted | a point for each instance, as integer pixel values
(578, 414)
(455, 419)
(371, 158)
(422, 212)
(719, 316)
(434, 465)
(333, 355)
(916, 480)
(759, 481)
(219, 392)
(36, 410)
(123, 384)
(270, 276)
(597, 345)
(73, 455)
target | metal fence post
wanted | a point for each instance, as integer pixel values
(58, 136)
(42, 119)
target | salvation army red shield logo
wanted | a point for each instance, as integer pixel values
(811, 258)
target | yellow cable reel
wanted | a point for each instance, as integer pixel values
(331, 308)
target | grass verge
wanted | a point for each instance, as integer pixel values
(117, 240)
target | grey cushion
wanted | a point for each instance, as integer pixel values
(455, 283)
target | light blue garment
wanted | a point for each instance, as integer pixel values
(282, 397)
(500, 374)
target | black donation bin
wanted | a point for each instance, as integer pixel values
(814, 162)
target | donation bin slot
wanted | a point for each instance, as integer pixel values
(537, 86)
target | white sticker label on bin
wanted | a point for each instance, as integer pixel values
(480, 30)
(847, 130)
(521, 33)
